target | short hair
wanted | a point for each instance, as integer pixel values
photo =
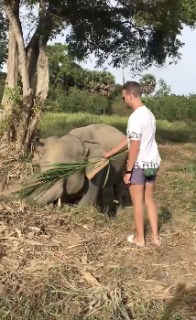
(133, 87)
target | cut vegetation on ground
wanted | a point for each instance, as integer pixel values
(76, 264)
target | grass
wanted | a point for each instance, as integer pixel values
(77, 265)
(61, 123)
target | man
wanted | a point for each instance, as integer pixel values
(143, 154)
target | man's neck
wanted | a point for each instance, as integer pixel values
(137, 104)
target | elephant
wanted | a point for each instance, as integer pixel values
(61, 150)
(107, 137)
(87, 144)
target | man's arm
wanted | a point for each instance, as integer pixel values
(133, 153)
(122, 145)
(134, 136)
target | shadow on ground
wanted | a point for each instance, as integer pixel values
(165, 216)
(109, 200)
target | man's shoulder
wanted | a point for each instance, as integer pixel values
(137, 114)
(143, 112)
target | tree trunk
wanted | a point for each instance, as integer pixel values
(16, 27)
(33, 64)
(15, 111)
(12, 65)
(41, 90)
(11, 82)
(12, 60)
(27, 69)
(11, 79)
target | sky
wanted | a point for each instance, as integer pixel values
(180, 77)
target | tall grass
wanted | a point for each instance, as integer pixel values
(59, 124)
(62, 123)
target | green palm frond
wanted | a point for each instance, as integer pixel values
(42, 182)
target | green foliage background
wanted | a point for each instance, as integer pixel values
(74, 89)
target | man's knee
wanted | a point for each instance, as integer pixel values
(137, 194)
(148, 195)
(148, 201)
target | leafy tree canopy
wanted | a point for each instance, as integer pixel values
(65, 73)
(163, 90)
(139, 33)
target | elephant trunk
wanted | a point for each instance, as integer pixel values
(74, 183)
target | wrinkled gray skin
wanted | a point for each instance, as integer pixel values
(86, 143)
(108, 137)
(62, 150)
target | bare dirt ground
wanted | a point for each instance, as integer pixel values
(72, 264)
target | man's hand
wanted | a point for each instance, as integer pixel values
(106, 155)
(122, 144)
(127, 178)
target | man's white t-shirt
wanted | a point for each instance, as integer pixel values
(142, 126)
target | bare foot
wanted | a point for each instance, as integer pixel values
(156, 240)
(134, 239)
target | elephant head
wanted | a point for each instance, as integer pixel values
(67, 149)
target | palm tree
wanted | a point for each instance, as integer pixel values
(99, 82)
(148, 84)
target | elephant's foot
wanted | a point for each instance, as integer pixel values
(119, 200)
(100, 202)
(119, 210)
(59, 203)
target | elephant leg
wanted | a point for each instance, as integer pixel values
(100, 202)
(59, 203)
(91, 195)
(118, 197)
(50, 196)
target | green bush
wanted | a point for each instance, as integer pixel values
(171, 108)
(79, 101)
(119, 107)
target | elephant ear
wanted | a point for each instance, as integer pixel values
(87, 144)
(95, 152)
(38, 145)
(86, 152)
(42, 141)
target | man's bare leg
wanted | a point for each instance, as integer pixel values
(137, 196)
(152, 212)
